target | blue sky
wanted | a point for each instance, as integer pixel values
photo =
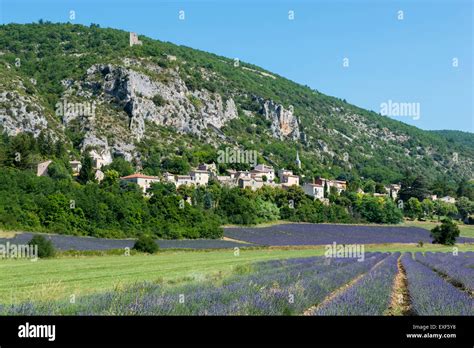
(409, 60)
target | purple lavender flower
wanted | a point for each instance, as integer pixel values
(432, 295)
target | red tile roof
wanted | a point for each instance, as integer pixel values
(139, 176)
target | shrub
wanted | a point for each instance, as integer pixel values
(57, 170)
(45, 246)
(470, 220)
(146, 244)
(446, 233)
(159, 100)
(197, 103)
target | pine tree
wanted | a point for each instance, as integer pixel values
(87, 170)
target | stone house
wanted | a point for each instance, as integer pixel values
(314, 190)
(448, 199)
(200, 177)
(211, 168)
(393, 190)
(183, 180)
(76, 167)
(134, 39)
(144, 181)
(340, 185)
(262, 170)
(287, 178)
(253, 182)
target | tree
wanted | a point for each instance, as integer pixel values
(369, 186)
(120, 165)
(236, 208)
(465, 207)
(146, 244)
(413, 188)
(266, 211)
(428, 207)
(445, 209)
(380, 188)
(45, 246)
(159, 189)
(57, 170)
(371, 208)
(45, 144)
(20, 151)
(466, 189)
(111, 177)
(392, 214)
(176, 165)
(413, 208)
(446, 233)
(87, 170)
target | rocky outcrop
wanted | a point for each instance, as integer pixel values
(284, 123)
(146, 93)
(166, 104)
(21, 113)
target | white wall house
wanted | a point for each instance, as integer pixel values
(340, 185)
(225, 180)
(448, 199)
(76, 167)
(284, 171)
(290, 180)
(393, 189)
(261, 170)
(314, 190)
(183, 180)
(200, 177)
(144, 181)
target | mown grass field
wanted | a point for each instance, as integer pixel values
(465, 230)
(61, 277)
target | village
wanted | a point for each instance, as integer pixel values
(261, 175)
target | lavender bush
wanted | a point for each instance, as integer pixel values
(432, 295)
(322, 234)
(275, 288)
(459, 268)
(371, 295)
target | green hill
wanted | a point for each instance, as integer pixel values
(161, 101)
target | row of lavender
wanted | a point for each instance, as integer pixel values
(295, 286)
(458, 268)
(369, 296)
(274, 288)
(431, 294)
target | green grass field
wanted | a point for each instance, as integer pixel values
(62, 277)
(465, 230)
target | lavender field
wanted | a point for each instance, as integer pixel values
(63, 242)
(322, 234)
(298, 286)
(278, 235)
(431, 294)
